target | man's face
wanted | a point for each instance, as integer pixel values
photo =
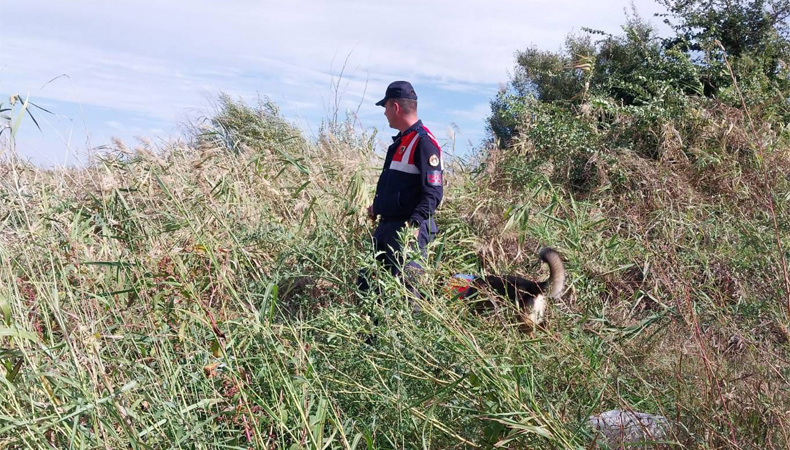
(389, 112)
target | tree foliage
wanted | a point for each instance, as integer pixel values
(644, 76)
(756, 30)
(742, 27)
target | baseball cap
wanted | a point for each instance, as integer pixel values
(398, 89)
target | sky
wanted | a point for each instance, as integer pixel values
(139, 70)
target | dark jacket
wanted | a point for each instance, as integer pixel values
(410, 184)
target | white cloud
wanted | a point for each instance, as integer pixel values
(476, 112)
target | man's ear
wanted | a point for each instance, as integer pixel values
(396, 107)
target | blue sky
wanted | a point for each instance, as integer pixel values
(138, 69)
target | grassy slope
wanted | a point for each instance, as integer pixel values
(203, 298)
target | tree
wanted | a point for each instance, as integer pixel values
(629, 69)
(756, 29)
(715, 42)
(543, 76)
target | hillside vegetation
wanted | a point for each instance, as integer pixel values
(201, 294)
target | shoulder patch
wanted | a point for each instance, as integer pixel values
(434, 177)
(433, 160)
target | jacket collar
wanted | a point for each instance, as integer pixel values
(416, 125)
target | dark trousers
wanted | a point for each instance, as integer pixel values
(388, 249)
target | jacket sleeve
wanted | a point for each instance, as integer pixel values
(428, 160)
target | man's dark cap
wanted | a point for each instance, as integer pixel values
(398, 89)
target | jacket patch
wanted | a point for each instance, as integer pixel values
(433, 161)
(435, 177)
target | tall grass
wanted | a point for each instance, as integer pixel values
(202, 296)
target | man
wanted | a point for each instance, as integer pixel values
(410, 185)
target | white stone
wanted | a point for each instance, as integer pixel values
(625, 427)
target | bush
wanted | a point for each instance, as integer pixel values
(236, 125)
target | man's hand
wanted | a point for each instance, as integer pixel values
(371, 216)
